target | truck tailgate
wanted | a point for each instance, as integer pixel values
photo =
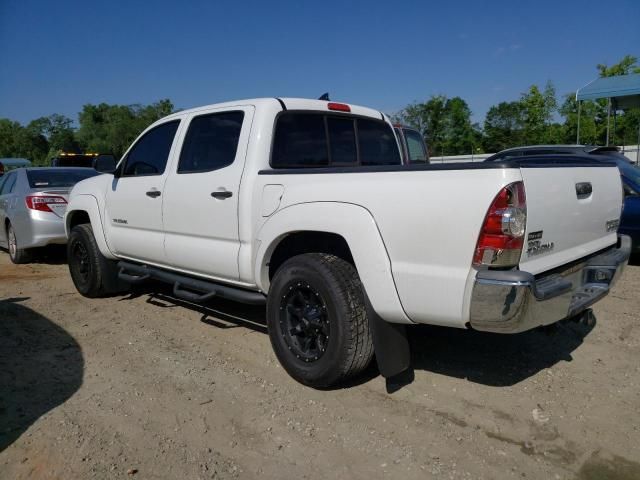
(572, 211)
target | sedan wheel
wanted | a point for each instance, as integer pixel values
(17, 255)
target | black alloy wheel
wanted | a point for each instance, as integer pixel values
(304, 322)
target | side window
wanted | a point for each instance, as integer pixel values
(211, 142)
(150, 154)
(7, 186)
(377, 143)
(415, 147)
(342, 141)
(300, 140)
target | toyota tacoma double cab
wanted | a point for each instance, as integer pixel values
(305, 206)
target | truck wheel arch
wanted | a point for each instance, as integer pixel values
(351, 233)
(84, 209)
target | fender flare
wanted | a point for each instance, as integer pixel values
(357, 226)
(89, 204)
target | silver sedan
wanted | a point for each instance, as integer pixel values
(32, 206)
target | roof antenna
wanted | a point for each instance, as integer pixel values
(325, 97)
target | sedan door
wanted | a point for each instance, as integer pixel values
(133, 213)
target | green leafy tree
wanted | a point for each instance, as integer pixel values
(111, 128)
(624, 67)
(445, 123)
(59, 132)
(538, 108)
(24, 142)
(459, 137)
(429, 119)
(503, 126)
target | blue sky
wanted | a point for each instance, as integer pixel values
(56, 56)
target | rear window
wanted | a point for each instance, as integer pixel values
(306, 140)
(58, 178)
(377, 143)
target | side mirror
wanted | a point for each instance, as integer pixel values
(105, 164)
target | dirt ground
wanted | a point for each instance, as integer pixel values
(146, 386)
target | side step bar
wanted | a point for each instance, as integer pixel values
(134, 273)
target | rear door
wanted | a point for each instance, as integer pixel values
(202, 193)
(572, 211)
(133, 216)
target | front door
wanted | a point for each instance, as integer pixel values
(201, 197)
(133, 214)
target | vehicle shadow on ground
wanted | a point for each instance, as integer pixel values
(224, 314)
(41, 366)
(485, 358)
(493, 359)
(51, 255)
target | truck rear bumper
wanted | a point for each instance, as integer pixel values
(515, 301)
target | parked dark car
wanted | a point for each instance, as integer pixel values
(629, 172)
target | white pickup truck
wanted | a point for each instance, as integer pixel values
(304, 205)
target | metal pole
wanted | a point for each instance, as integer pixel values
(615, 116)
(608, 119)
(579, 112)
(638, 146)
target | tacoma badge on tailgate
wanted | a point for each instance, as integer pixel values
(535, 245)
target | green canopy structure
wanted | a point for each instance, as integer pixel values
(622, 92)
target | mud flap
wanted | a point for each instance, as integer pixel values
(392, 350)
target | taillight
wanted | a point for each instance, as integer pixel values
(502, 234)
(41, 202)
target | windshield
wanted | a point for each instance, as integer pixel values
(58, 177)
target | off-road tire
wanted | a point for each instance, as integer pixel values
(92, 273)
(17, 255)
(336, 285)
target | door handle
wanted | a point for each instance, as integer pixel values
(153, 193)
(222, 194)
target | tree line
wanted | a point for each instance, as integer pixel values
(535, 118)
(103, 128)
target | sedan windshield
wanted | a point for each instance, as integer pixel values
(58, 177)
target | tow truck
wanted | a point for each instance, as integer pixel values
(102, 162)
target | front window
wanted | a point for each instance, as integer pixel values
(150, 154)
